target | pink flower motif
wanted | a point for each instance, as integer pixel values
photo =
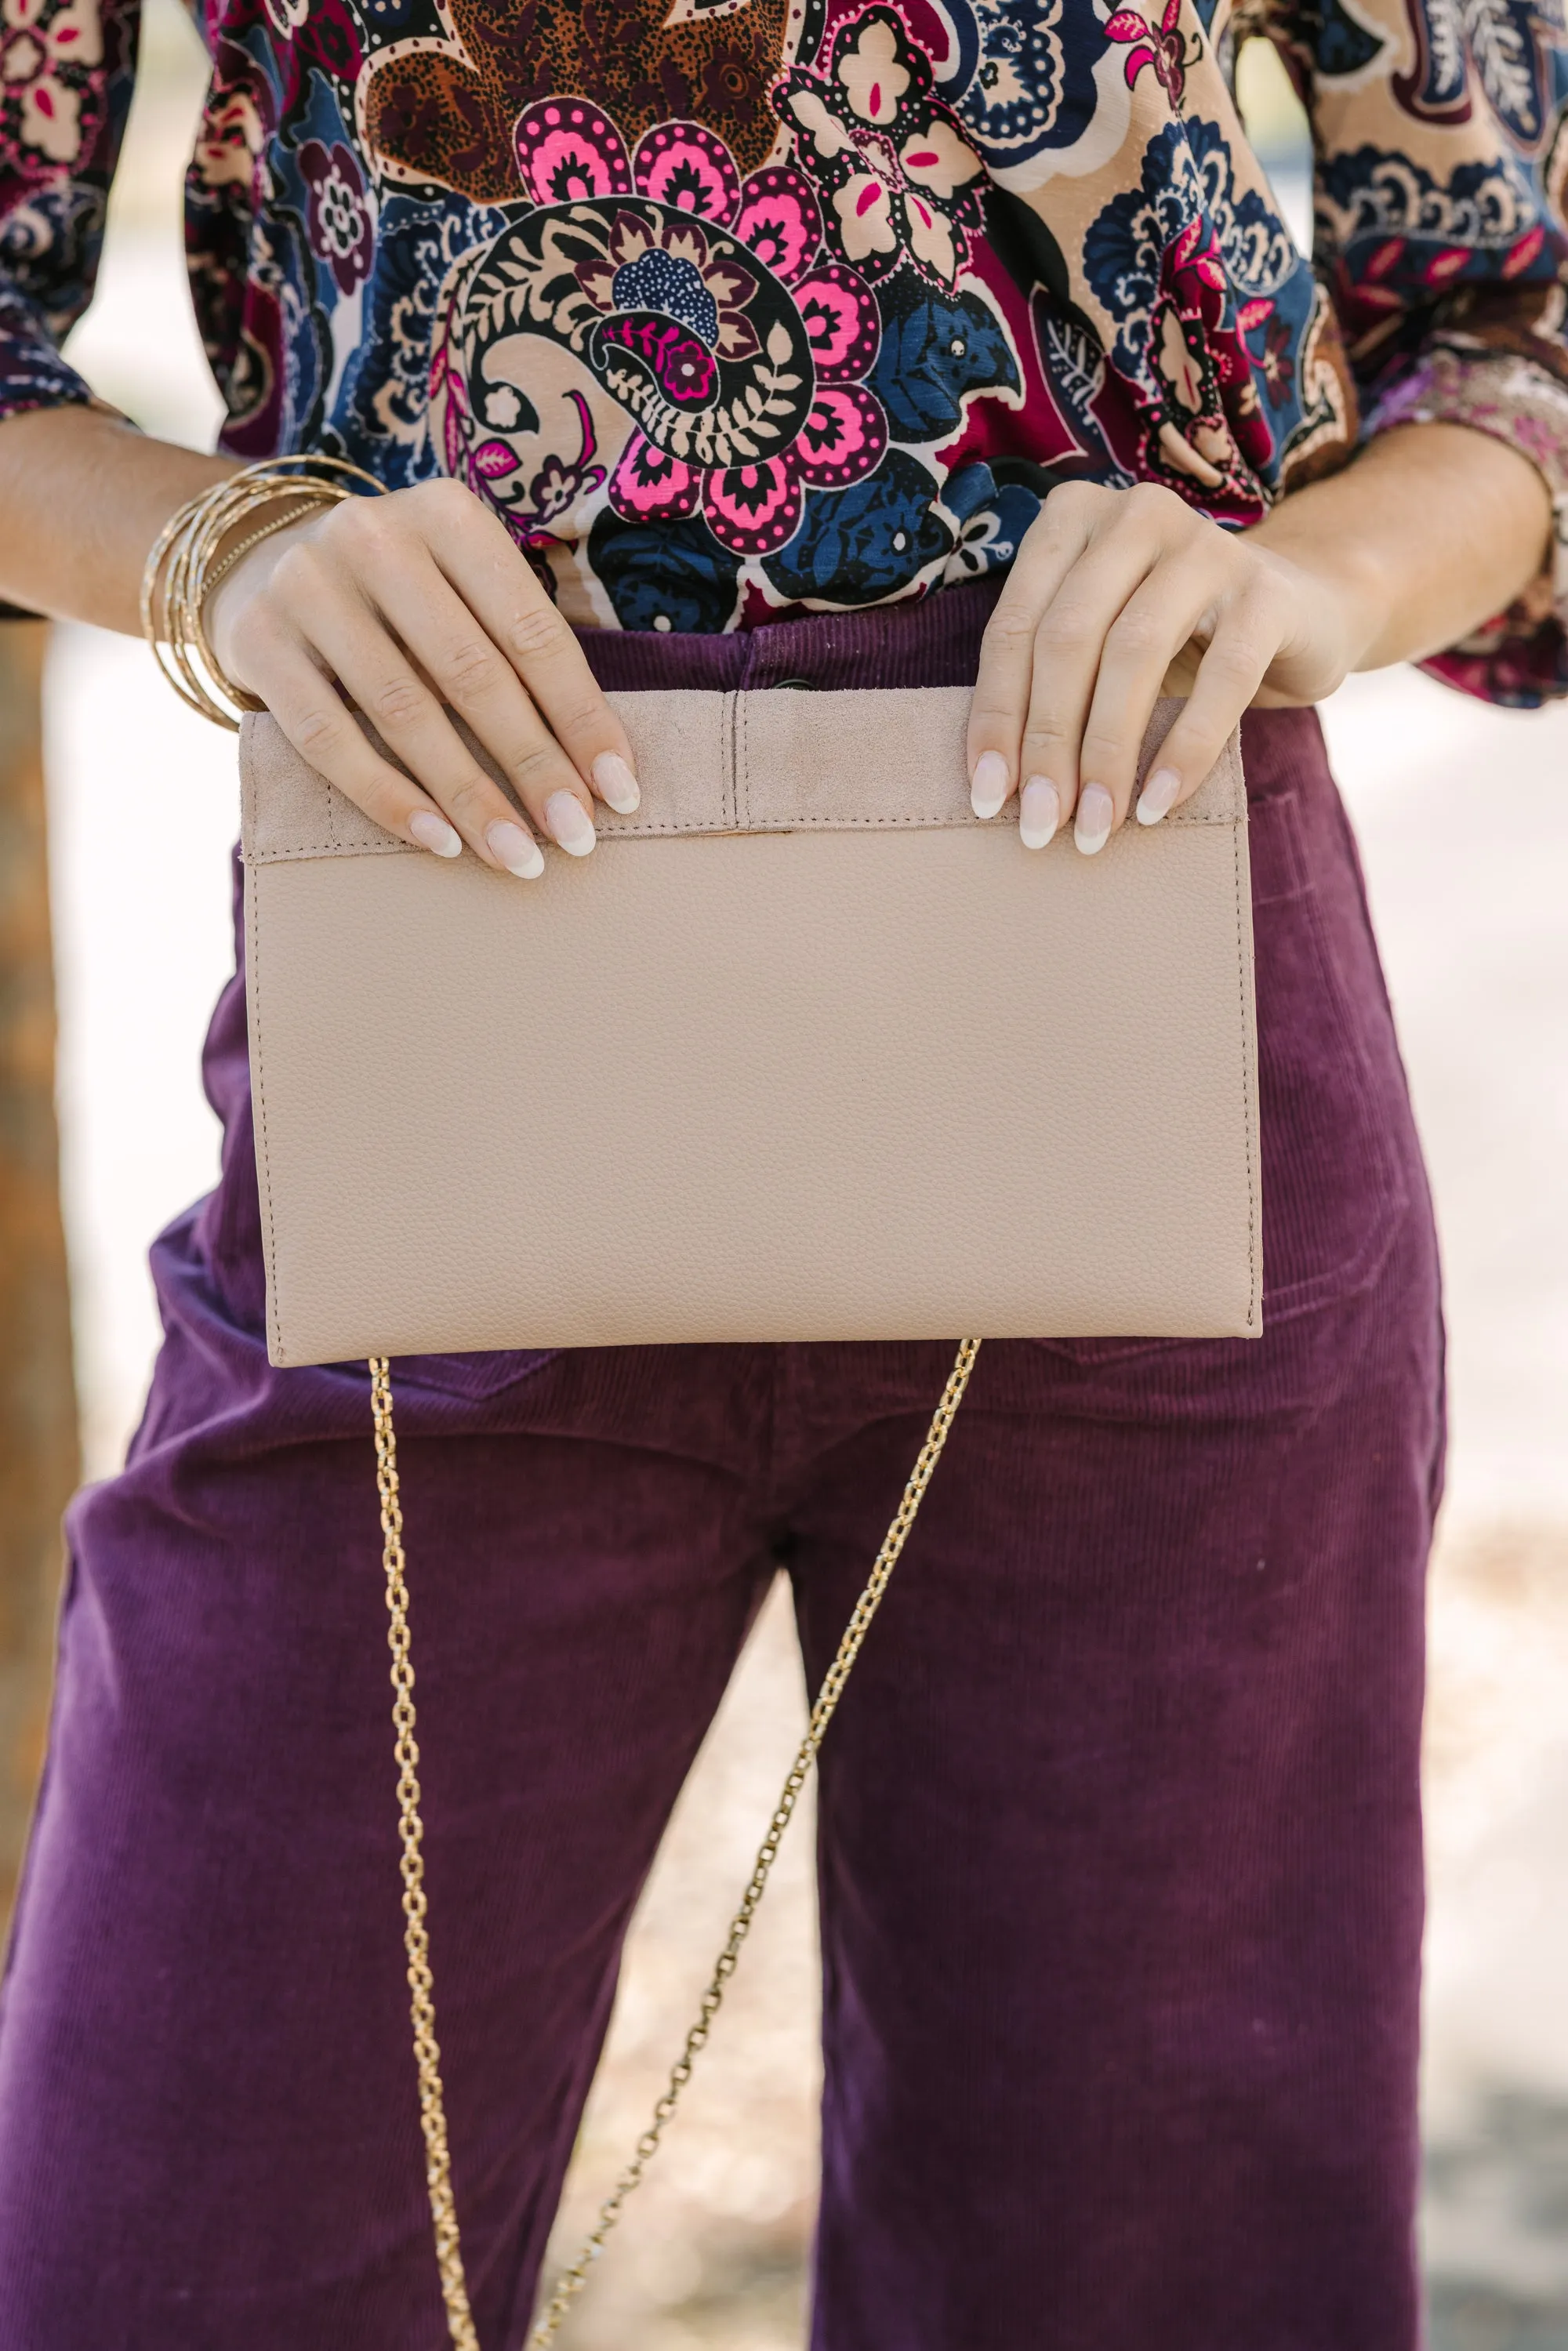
(566, 151)
(843, 324)
(776, 218)
(680, 305)
(1163, 46)
(756, 509)
(845, 423)
(681, 364)
(650, 485)
(683, 165)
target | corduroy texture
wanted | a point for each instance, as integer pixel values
(1120, 1848)
(936, 642)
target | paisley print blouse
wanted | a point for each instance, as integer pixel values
(735, 307)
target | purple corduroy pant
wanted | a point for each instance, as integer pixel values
(1120, 1845)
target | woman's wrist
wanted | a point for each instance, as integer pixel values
(207, 538)
(1346, 576)
(83, 496)
(1431, 530)
(247, 578)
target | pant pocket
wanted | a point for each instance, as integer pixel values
(1334, 1109)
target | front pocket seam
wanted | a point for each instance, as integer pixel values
(1355, 1272)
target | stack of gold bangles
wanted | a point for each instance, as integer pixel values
(196, 547)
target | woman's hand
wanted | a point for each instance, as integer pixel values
(413, 601)
(1117, 596)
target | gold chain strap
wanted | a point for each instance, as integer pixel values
(417, 1939)
(415, 1933)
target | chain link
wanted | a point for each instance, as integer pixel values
(427, 2055)
(415, 1933)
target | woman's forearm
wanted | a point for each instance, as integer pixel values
(82, 498)
(1432, 530)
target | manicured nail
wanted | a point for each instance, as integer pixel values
(1039, 812)
(989, 784)
(517, 850)
(1158, 796)
(433, 832)
(617, 784)
(1091, 827)
(570, 823)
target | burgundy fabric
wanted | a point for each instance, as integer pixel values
(933, 642)
(1120, 1851)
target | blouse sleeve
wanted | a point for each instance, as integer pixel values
(1441, 136)
(66, 72)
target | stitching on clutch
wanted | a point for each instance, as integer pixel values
(328, 849)
(742, 764)
(1253, 1301)
(253, 939)
(732, 820)
(729, 822)
(725, 756)
(248, 802)
(736, 761)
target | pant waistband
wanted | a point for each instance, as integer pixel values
(936, 642)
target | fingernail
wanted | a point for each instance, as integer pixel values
(433, 832)
(989, 784)
(1158, 796)
(517, 850)
(570, 823)
(1091, 827)
(1039, 812)
(617, 785)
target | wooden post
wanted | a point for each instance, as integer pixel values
(38, 1449)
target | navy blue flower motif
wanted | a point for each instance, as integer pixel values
(992, 515)
(1019, 81)
(664, 575)
(935, 349)
(860, 545)
(1340, 43)
(1186, 181)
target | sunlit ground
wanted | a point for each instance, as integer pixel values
(1463, 819)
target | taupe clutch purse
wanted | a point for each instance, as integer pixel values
(804, 1051)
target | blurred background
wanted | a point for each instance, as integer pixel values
(1463, 818)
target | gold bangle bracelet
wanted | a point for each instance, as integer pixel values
(183, 566)
(186, 587)
(236, 554)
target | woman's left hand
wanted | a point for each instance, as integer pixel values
(1117, 596)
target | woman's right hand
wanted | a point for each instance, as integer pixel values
(409, 602)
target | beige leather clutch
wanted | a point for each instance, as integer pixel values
(804, 1051)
